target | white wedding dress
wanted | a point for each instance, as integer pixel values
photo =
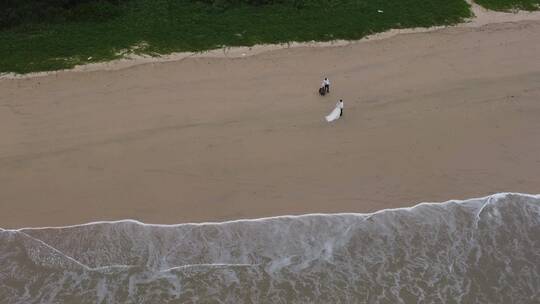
(334, 115)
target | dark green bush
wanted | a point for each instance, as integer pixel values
(232, 3)
(18, 12)
(95, 11)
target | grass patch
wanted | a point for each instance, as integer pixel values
(506, 5)
(165, 26)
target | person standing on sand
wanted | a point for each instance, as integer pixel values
(326, 85)
(336, 113)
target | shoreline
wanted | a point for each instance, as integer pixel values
(288, 216)
(481, 17)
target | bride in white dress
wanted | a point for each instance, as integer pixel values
(336, 113)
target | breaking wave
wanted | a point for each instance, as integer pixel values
(484, 250)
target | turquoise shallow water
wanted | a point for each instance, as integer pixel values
(484, 250)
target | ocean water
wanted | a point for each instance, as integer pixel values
(484, 250)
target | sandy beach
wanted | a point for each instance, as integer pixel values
(448, 114)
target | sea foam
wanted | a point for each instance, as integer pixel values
(484, 250)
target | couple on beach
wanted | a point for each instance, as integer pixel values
(338, 110)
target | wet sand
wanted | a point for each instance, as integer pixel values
(452, 113)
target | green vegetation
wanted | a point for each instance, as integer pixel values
(82, 31)
(17, 12)
(504, 5)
